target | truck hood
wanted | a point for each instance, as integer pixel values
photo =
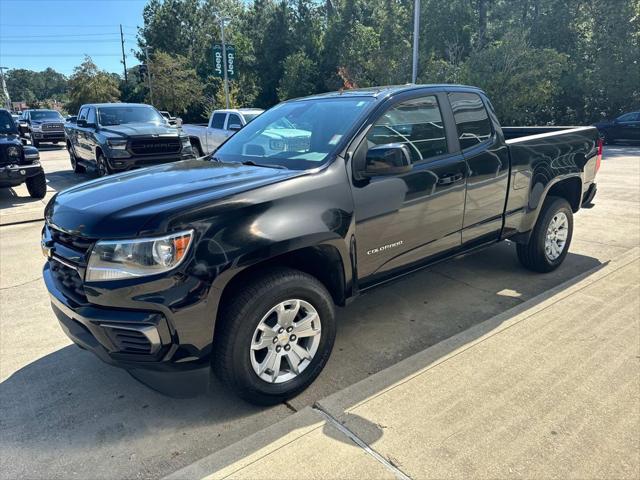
(139, 129)
(124, 205)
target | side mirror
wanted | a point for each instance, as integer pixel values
(388, 159)
(234, 127)
(81, 123)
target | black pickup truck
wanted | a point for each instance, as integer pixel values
(114, 137)
(18, 163)
(238, 262)
(41, 126)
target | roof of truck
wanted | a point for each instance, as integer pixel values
(386, 90)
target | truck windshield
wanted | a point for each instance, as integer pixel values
(119, 115)
(297, 135)
(7, 124)
(40, 115)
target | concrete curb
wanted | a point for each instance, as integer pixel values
(257, 446)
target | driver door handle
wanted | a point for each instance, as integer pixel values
(449, 178)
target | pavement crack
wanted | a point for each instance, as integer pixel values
(21, 284)
(389, 463)
(290, 407)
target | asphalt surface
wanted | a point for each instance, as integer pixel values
(64, 414)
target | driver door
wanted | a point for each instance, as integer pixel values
(402, 219)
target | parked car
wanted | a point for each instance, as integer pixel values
(16, 118)
(237, 262)
(41, 126)
(175, 121)
(625, 127)
(222, 124)
(18, 163)
(114, 137)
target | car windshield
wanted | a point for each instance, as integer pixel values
(40, 115)
(109, 116)
(7, 123)
(297, 135)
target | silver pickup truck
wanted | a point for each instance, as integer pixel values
(222, 124)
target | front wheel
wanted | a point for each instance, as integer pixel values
(549, 242)
(102, 166)
(37, 186)
(35, 143)
(275, 336)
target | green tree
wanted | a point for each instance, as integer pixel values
(176, 85)
(299, 77)
(88, 84)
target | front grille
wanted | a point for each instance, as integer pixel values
(72, 241)
(130, 341)
(53, 135)
(299, 144)
(53, 126)
(68, 281)
(155, 146)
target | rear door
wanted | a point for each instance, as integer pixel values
(487, 159)
(629, 126)
(403, 219)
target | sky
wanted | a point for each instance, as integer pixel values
(36, 34)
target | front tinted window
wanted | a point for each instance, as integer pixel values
(40, 115)
(120, 115)
(417, 123)
(471, 119)
(218, 120)
(91, 116)
(300, 134)
(7, 123)
(233, 120)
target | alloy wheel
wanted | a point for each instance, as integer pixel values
(556, 236)
(285, 341)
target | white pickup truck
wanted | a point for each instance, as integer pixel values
(206, 138)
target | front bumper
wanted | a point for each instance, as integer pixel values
(123, 164)
(15, 174)
(48, 136)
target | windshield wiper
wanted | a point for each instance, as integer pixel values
(254, 164)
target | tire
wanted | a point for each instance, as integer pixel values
(102, 166)
(535, 255)
(77, 168)
(35, 143)
(606, 138)
(196, 149)
(37, 185)
(234, 360)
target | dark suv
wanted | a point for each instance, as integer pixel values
(19, 164)
(41, 126)
(113, 137)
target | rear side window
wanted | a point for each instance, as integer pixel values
(471, 119)
(83, 114)
(417, 123)
(218, 120)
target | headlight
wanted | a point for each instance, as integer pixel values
(13, 152)
(36, 127)
(117, 144)
(118, 259)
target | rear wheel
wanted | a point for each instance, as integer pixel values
(549, 242)
(37, 185)
(274, 336)
(77, 168)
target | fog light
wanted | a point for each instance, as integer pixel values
(23, 172)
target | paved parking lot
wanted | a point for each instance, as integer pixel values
(65, 414)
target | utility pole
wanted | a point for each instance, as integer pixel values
(4, 89)
(224, 60)
(416, 38)
(146, 52)
(124, 60)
